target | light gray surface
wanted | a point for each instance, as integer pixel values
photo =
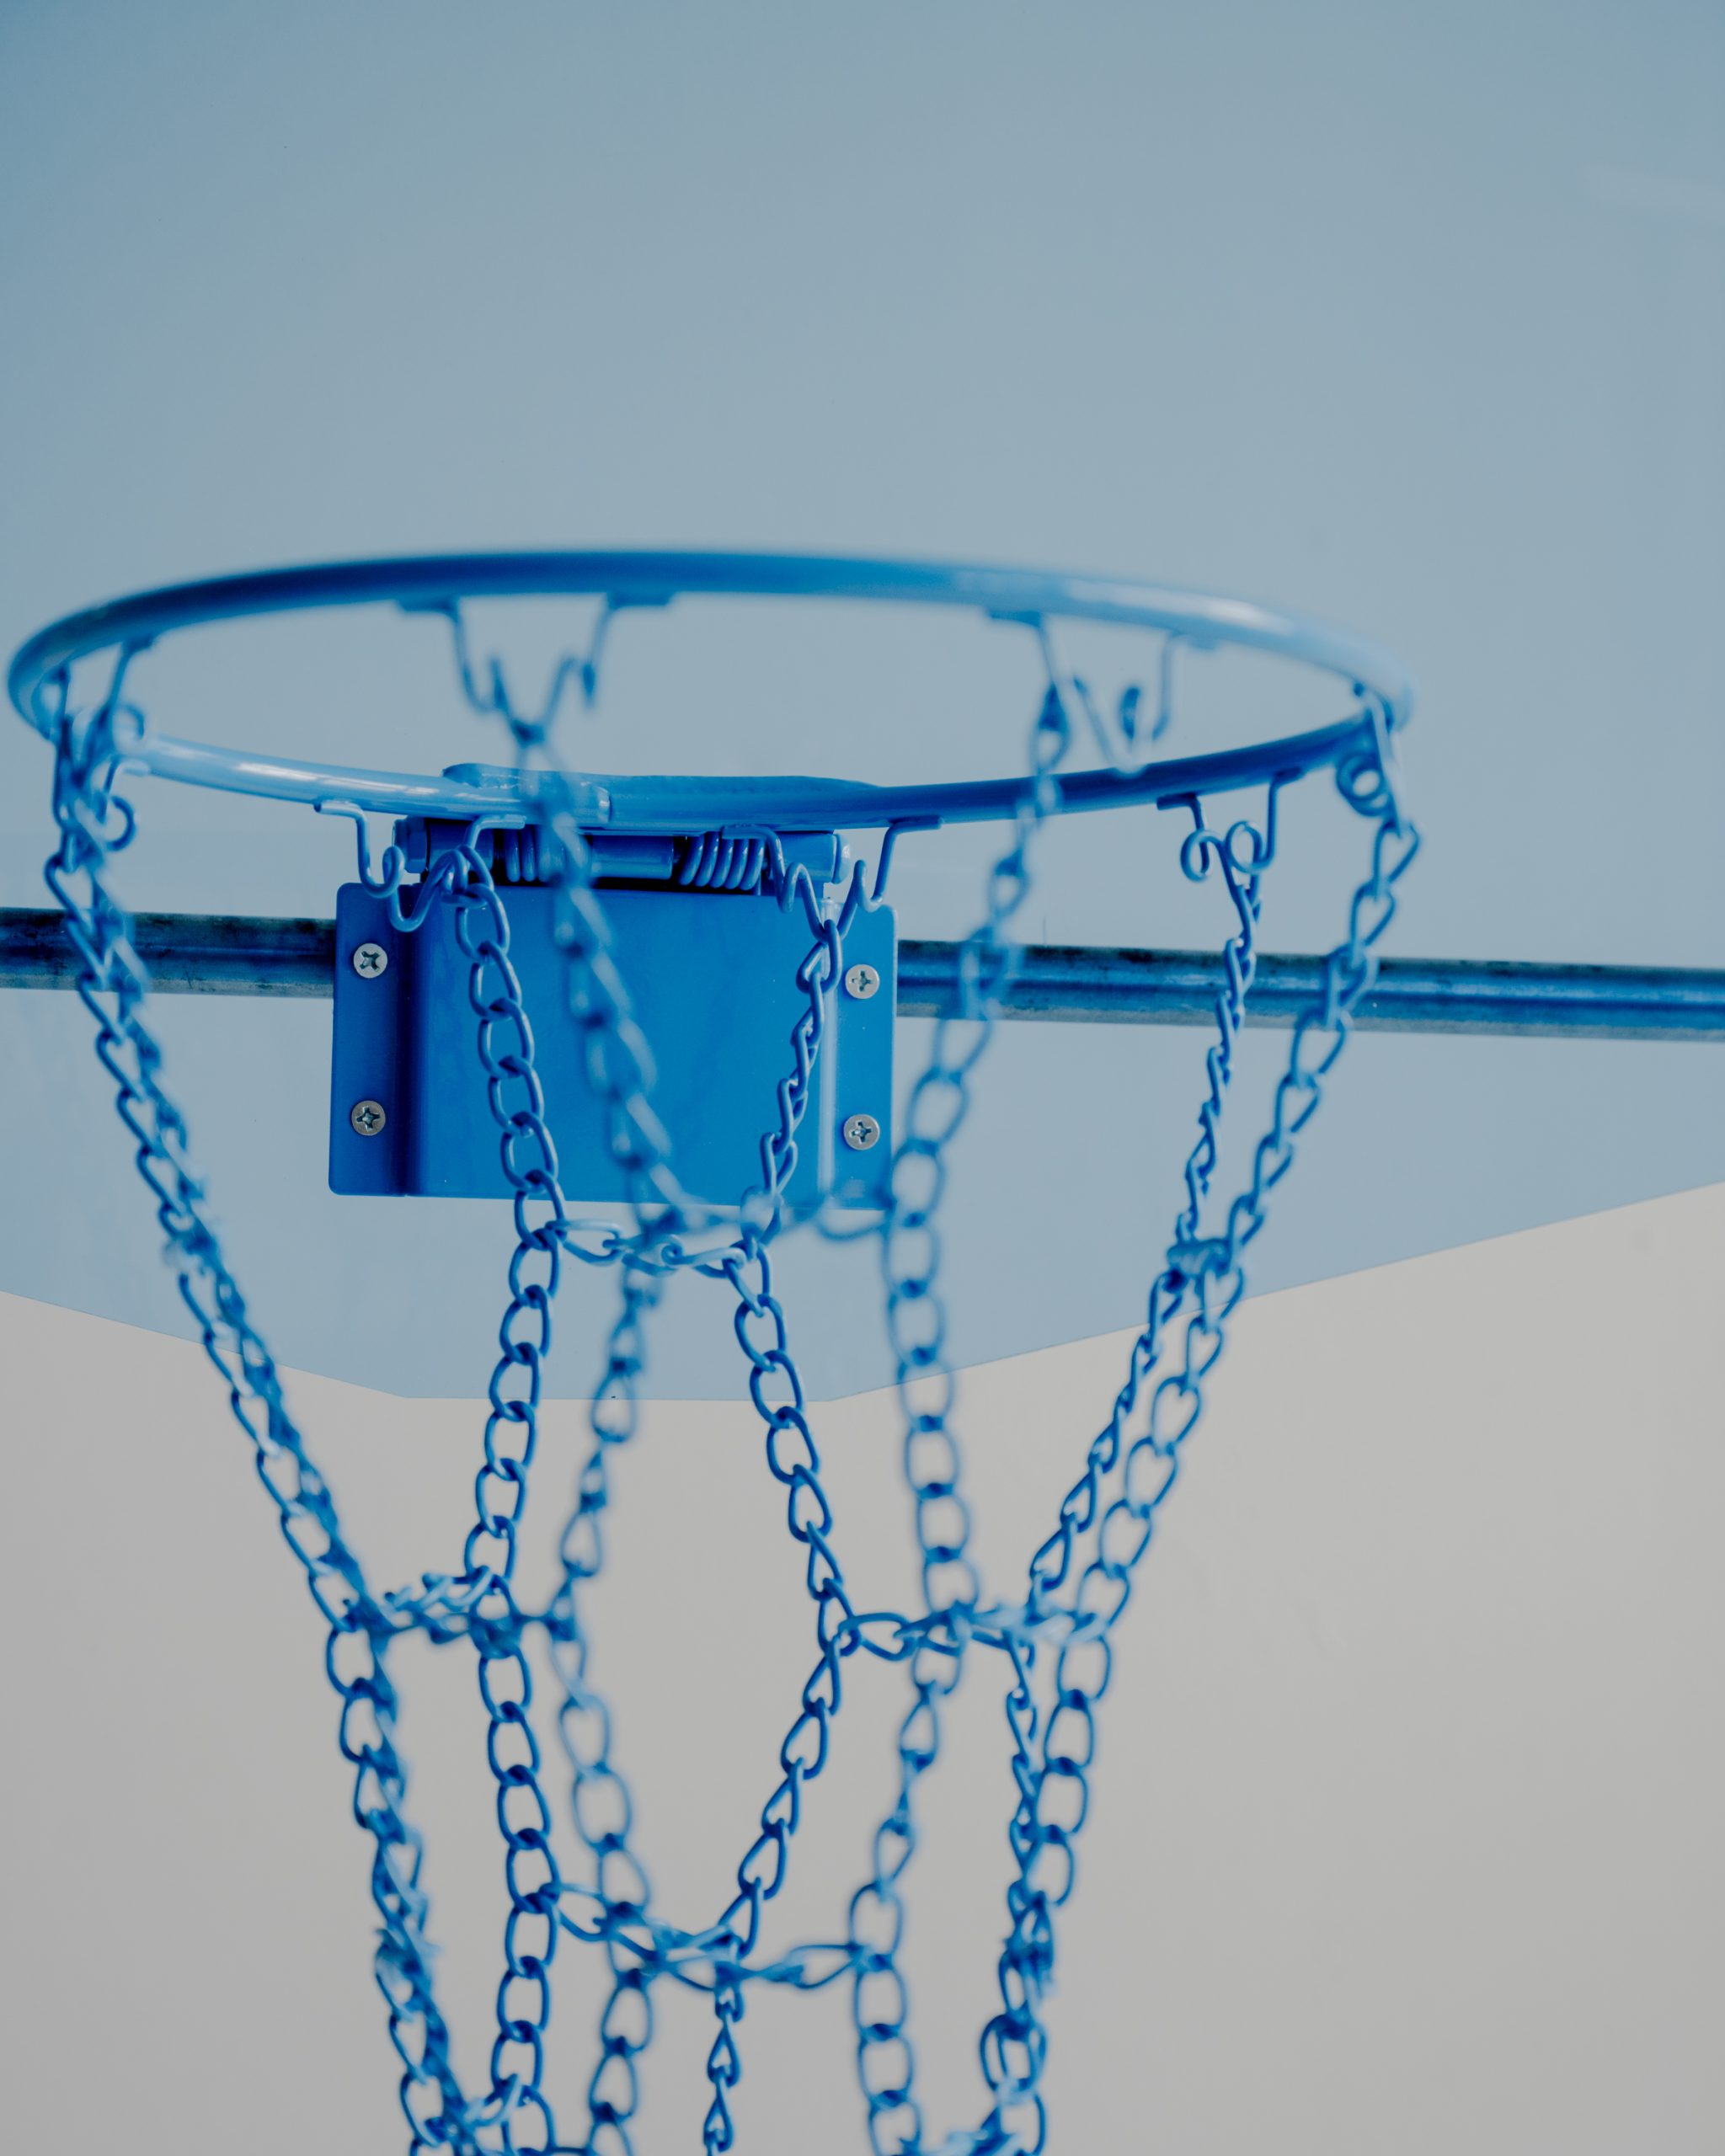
(1405, 1833)
(1414, 321)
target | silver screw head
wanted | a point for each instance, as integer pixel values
(370, 960)
(862, 982)
(367, 1118)
(860, 1131)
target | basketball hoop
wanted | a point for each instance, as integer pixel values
(514, 1017)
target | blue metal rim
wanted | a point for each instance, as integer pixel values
(651, 578)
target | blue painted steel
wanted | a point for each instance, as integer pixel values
(437, 584)
(1056, 1637)
(712, 979)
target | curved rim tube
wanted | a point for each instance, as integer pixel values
(430, 583)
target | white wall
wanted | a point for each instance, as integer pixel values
(1406, 1835)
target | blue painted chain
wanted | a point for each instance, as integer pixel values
(603, 1809)
(916, 1316)
(619, 1068)
(95, 824)
(1014, 2046)
(1058, 1642)
(760, 1322)
(1100, 1541)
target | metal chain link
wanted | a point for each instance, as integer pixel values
(95, 824)
(496, 1622)
(1013, 2046)
(916, 1318)
(1207, 1272)
(619, 1070)
(604, 1813)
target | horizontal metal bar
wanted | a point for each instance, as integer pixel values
(1411, 995)
(250, 955)
(186, 953)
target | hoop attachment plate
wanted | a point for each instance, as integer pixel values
(713, 977)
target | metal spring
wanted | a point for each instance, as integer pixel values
(526, 856)
(714, 863)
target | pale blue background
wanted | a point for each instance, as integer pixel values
(1411, 316)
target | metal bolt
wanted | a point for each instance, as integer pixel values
(369, 960)
(861, 1131)
(368, 1119)
(862, 982)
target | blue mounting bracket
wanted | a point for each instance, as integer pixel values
(712, 975)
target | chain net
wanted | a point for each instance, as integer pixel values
(1056, 1637)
